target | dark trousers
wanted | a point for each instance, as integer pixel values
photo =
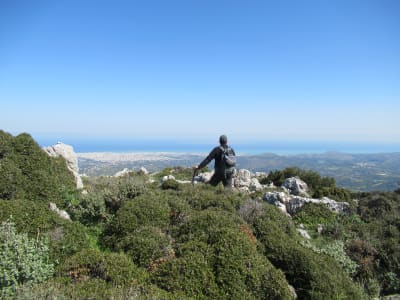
(225, 178)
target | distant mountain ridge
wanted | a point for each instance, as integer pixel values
(358, 172)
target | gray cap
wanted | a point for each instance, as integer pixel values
(223, 140)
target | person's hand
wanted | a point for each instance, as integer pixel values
(196, 167)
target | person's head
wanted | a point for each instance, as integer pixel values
(223, 140)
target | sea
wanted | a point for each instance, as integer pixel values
(287, 147)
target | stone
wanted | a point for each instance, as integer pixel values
(122, 173)
(61, 213)
(144, 171)
(243, 178)
(68, 153)
(296, 186)
(168, 177)
(255, 185)
(304, 233)
(203, 177)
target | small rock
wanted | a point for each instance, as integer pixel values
(304, 233)
(61, 213)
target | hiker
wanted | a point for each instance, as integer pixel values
(225, 161)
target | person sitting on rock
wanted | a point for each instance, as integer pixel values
(224, 167)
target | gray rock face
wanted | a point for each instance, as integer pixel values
(296, 186)
(67, 152)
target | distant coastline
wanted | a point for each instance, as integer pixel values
(243, 148)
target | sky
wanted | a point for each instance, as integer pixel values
(296, 70)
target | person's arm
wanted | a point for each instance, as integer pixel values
(209, 158)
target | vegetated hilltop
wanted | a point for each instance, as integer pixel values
(134, 238)
(357, 172)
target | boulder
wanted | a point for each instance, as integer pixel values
(68, 153)
(296, 186)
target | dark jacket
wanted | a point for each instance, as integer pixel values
(216, 154)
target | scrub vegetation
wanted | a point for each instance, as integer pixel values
(131, 238)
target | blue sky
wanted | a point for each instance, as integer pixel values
(255, 70)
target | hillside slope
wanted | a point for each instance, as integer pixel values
(133, 237)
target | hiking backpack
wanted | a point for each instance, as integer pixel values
(228, 157)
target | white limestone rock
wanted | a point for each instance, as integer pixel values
(243, 178)
(255, 185)
(304, 233)
(144, 171)
(68, 153)
(122, 173)
(61, 213)
(168, 177)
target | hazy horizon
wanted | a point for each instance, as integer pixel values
(242, 147)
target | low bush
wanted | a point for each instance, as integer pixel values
(22, 260)
(150, 209)
(145, 245)
(92, 289)
(33, 218)
(171, 184)
(115, 268)
(314, 276)
(26, 171)
(311, 215)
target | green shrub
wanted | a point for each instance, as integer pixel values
(122, 190)
(311, 215)
(146, 210)
(180, 209)
(240, 272)
(115, 268)
(314, 276)
(22, 260)
(90, 209)
(26, 171)
(33, 218)
(145, 245)
(206, 225)
(171, 184)
(92, 289)
(190, 274)
(201, 197)
(336, 250)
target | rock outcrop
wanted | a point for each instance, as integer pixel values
(68, 153)
(292, 203)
